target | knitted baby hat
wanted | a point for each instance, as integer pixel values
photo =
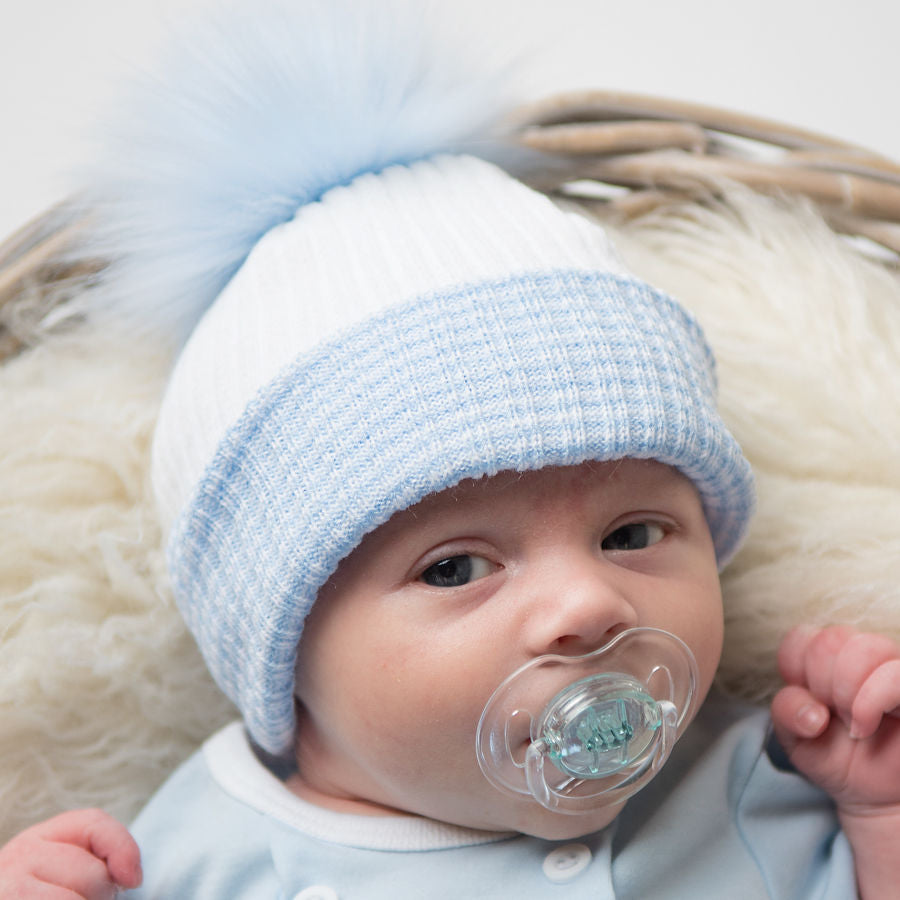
(406, 327)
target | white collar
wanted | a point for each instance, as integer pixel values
(236, 769)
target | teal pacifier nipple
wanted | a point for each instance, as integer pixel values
(609, 724)
(599, 724)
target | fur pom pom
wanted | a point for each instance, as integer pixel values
(255, 114)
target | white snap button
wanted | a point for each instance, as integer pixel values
(317, 892)
(566, 862)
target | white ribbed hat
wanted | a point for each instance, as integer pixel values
(381, 242)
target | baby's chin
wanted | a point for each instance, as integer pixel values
(533, 819)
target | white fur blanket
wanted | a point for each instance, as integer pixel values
(101, 689)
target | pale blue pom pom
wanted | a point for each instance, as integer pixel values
(254, 114)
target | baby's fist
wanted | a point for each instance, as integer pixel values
(837, 715)
(81, 854)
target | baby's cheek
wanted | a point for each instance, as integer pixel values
(426, 705)
(703, 632)
(707, 649)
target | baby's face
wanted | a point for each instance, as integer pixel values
(422, 622)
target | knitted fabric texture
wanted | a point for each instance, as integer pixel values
(434, 322)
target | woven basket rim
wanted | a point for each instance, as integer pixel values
(652, 150)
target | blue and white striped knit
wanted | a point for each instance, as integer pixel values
(537, 369)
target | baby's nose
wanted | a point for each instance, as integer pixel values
(580, 610)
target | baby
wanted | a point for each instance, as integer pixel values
(411, 634)
(447, 497)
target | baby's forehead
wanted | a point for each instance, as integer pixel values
(511, 488)
(510, 503)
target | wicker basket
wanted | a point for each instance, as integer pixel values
(620, 154)
(660, 150)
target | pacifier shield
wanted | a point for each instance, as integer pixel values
(577, 733)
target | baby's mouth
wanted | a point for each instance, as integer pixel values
(604, 733)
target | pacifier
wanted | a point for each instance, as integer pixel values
(580, 732)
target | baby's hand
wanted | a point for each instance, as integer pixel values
(80, 854)
(837, 717)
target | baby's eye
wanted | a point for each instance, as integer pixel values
(456, 571)
(634, 536)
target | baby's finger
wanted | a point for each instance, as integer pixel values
(820, 658)
(798, 716)
(37, 890)
(878, 695)
(75, 869)
(792, 653)
(115, 844)
(806, 656)
(103, 836)
(860, 656)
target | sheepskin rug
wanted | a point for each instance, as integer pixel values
(806, 331)
(102, 692)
